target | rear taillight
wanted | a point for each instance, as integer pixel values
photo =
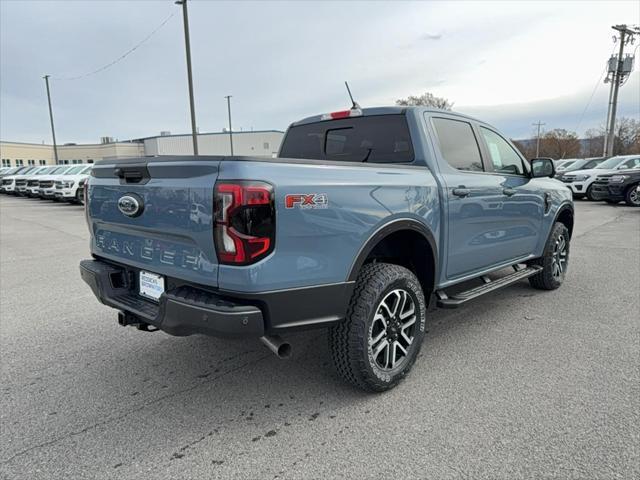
(245, 222)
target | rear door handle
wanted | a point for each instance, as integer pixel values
(509, 191)
(461, 192)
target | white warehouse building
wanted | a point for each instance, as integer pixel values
(262, 143)
(259, 143)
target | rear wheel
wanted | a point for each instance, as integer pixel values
(378, 342)
(554, 261)
(632, 196)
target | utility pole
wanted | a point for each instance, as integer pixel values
(228, 97)
(187, 45)
(539, 124)
(53, 130)
(618, 74)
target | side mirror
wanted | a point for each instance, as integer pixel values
(542, 167)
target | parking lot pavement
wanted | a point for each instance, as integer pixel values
(520, 384)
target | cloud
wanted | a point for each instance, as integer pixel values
(432, 36)
(286, 60)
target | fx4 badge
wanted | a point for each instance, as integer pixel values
(306, 200)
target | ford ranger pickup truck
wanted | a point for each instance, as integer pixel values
(366, 219)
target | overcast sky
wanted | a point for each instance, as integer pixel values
(509, 63)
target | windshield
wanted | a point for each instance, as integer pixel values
(58, 170)
(75, 170)
(577, 165)
(592, 163)
(44, 170)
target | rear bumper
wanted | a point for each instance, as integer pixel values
(187, 309)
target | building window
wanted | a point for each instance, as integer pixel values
(19, 162)
(6, 162)
(265, 145)
(42, 162)
(89, 160)
(31, 162)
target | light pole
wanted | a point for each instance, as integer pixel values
(187, 45)
(53, 130)
(228, 97)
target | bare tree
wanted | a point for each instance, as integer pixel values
(527, 148)
(593, 143)
(559, 143)
(627, 136)
(425, 100)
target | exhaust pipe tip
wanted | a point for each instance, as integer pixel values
(278, 346)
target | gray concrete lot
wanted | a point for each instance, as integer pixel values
(519, 384)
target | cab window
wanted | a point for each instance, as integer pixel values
(503, 157)
(458, 144)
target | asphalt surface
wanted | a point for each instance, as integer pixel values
(519, 384)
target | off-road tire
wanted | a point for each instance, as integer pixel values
(545, 279)
(630, 199)
(349, 339)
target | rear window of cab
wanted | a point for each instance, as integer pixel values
(372, 139)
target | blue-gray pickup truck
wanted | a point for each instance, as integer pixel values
(366, 220)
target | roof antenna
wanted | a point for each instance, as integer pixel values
(355, 105)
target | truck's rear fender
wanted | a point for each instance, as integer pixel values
(173, 233)
(317, 243)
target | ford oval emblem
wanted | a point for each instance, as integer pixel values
(130, 205)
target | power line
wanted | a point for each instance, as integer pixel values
(595, 88)
(121, 57)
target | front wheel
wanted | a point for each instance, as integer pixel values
(80, 196)
(380, 338)
(554, 261)
(632, 197)
(589, 193)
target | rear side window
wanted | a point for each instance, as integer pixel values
(504, 158)
(633, 163)
(373, 139)
(458, 144)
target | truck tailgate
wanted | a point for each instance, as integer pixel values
(156, 214)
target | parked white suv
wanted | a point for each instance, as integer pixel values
(32, 184)
(9, 181)
(580, 181)
(70, 186)
(46, 184)
(22, 180)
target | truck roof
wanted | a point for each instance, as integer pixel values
(394, 110)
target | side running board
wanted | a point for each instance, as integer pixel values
(454, 301)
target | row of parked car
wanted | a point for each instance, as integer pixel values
(59, 182)
(613, 180)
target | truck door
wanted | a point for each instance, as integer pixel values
(480, 233)
(523, 202)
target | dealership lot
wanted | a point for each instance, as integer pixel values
(519, 384)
